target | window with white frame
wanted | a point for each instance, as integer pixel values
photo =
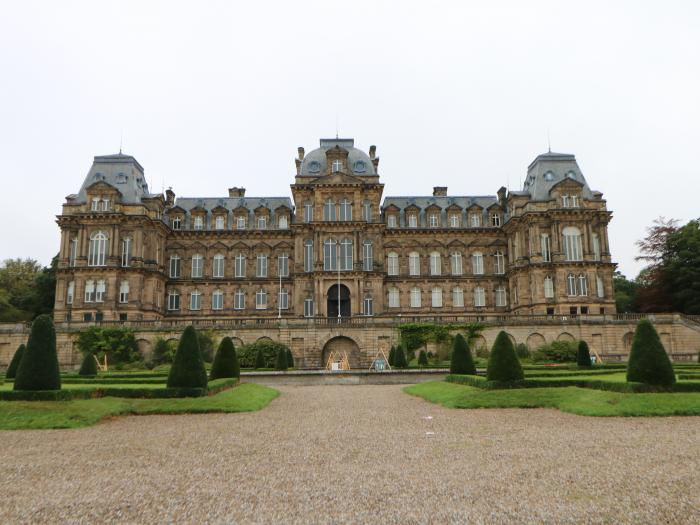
(95, 204)
(308, 307)
(283, 265)
(546, 247)
(197, 266)
(413, 220)
(262, 222)
(283, 299)
(124, 292)
(572, 244)
(367, 256)
(240, 222)
(330, 255)
(176, 223)
(261, 266)
(329, 210)
(565, 203)
(435, 263)
(97, 254)
(574, 201)
(457, 297)
(475, 220)
(126, 251)
(239, 300)
(479, 297)
(217, 300)
(454, 220)
(260, 299)
(571, 285)
(337, 166)
(392, 263)
(173, 300)
(391, 221)
(582, 284)
(100, 291)
(499, 263)
(239, 266)
(174, 266)
(345, 210)
(415, 297)
(220, 222)
(70, 292)
(89, 291)
(477, 263)
(199, 222)
(308, 212)
(218, 266)
(456, 263)
(595, 240)
(433, 220)
(346, 254)
(367, 211)
(73, 252)
(308, 255)
(548, 287)
(195, 300)
(437, 297)
(500, 296)
(600, 286)
(495, 219)
(367, 306)
(394, 298)
(282, 222)
(414, 264)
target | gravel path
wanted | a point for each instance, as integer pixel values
(356, 454)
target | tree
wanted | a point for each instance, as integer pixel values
(11, 371)
(680, 275)
(163, 351)
(462, 361)
(38, 369)
(648, 362)
(392, 356)
(26, 289)
(260, 359)
(503, 365)
(281, 363)
(423, 358)
(290, 359)
(225, 361)
(206, 344)
(583, 357)
(400, 357)
(89, 366)
(119, 344)
(522, 351)
(188, 366)
(625, 293)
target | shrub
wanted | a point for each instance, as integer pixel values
(392, 356)
(482, 352)
(522, 351)
(281, 363)
(12, 369)
(422, 358)
(583, 358)
(89, 366)
(38, 369)
(247, 354)
(462, 361)
(503, 364)
(188, 366)
(698, 356)
(648, 362)
(225, 361)
(557, 352)
(400, 357)
(260, 360)
(119, 344)
(290, 359)
(163, 351)
(206, 345)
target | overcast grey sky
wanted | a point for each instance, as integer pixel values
(209, 95)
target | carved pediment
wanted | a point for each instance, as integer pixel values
(337, 178)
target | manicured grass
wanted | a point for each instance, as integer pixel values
(581, 401)
(247, 397)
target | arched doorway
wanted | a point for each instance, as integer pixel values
(342, 344)
(338, 298)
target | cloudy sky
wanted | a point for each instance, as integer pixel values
(208, 95)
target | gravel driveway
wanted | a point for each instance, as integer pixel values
(356, 454)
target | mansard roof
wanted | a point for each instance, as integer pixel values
(232, 203)
(123, 172)
(442, 202)
(550, 169)
(359, 163)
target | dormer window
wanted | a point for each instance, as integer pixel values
(549, 176)
(199, 223)
(413, 221)
(574, 201)
(391, 221)
(95, 204)
(240, 223)
(454, 220)
(122, 178)
(314, 166)
(496, 219)
(565, 201)
(337, 166)
(475, 220)
(177, 223)
(262, 223)
(359, 166)
(433, 220)
(282, 222)
(220, 222)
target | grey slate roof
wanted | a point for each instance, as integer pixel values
(443, 202)
(559, 166)
(359, 163)
(231, 203)
(121, 171)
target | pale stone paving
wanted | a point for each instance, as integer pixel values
(356, 454)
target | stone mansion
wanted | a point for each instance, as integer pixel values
(337, 248)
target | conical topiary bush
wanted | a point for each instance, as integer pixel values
(260, 359)
(423, 358)
(225, 361)
(281, 362)
(89, 366)
(38, 369)
(649, 362)
(290, 359)
(583, 356)
(462, 361)
(11, 371)
(503, 364)
(188, 366)
(400, 357)
(392, 356)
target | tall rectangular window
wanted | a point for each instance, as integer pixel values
(176, 223)
(308, 255)
(345, 210)
(413, 220)
(415, 298)
(262, 222)
(368, 306)
(456, 263)
(217, 300)
(435, 263)
(548, 287)
(240, 223)
(595, 240)
(100, 290)
(196, 300)
(392, 266)
(437, 297)
(218, 267)
(546, 248)
(394, 298)
(174, 266)
(240, 266)
(391, 221)
(126, 252)
(89, 291)
(329, 210)
(475, 220)
(413, 264)
(308, 307)
(199, 223)
(600, 286)
(367, 256)
(479, 297)
(346, 255)
(457, 298)
(500, 296)
(173, 301)
(261, 266)
(477, 263)
(239, 300)
(70, 293)
(367, 212)
(283, 298)
(330, 255)
(308, 212)
(124, 292)
(499, 263)
(260, 300)
(197, 262)
(283, 265)
(454, 220)
(73, 253)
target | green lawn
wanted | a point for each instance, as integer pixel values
(581, 401)
(247, 397)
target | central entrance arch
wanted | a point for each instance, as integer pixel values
(342, 345)
(338, 298)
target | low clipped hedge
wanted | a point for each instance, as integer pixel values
(99, 380)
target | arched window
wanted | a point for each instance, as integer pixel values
(196, 266)
(240, 265)
(477, 263)
(126, 251)
(282, 222)
(479, 297)
(392, 265)
(329, 210)
(308, 255)
(98, 249)
(394, 298)
(413, 264)
(217, 300)
(500, 296)
(548, 287)
(457, 298)
(499, 263)
(571, 284)
(260, 299)
(196, 300)
(572, 244)
(435, 263)
(456, 263)
(437, 297)
(415, 297)
(330, 255)
(345, 210)
(582, 284)
(218, 266)
(346, 254)
(261, 266)
(367, 256)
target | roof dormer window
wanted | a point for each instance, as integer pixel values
(337, 166)
(176, 223)
(199, 223)
(359, 166)
(549, 176)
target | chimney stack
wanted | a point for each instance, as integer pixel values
(169, 197)
(372, 152)
(440, 191)
(236, 192)
(300, 150)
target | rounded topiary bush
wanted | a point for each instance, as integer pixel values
(422, 358)
(260, 359)
(38, 369)
(648, 362)
(281, 363)
(462, 361)
(522, 351)
(400, 357)
(583, 357)
(392, 356)
(290, 359)
(503, 365)
(14, 364)
(225, 361)
(188, 366)
(89, 366)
